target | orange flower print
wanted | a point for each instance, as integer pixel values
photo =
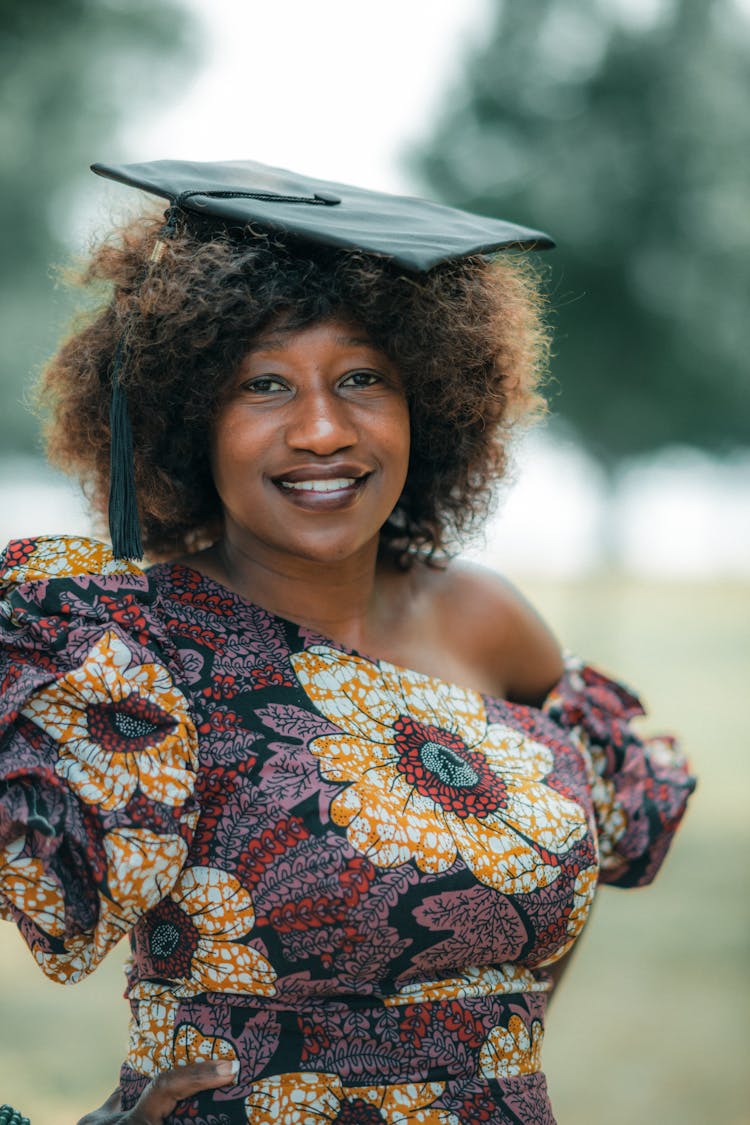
(511, 1051)
(428, 778)
(62, 556)
(141, 867)
(24, 883)
(297, 1099)
(118, 728)
(474, 981)
(584, 890)
(152, 1029)
(193, 937)
(191, 1046)
(157, 1044)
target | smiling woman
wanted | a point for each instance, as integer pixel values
(315, 422)
(343, 793)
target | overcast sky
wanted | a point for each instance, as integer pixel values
(333, 88)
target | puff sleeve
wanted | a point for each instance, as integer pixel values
(97, 751)
(639, 787)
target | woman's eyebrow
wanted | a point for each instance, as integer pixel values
(357, 342)
(268, 344)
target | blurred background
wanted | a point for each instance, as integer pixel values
(623, 128)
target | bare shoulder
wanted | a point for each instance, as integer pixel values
(494, 628)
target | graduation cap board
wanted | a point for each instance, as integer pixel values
(414, 233)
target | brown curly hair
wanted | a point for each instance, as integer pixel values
(467, 337)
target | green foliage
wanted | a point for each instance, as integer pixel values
(71, 72)
(629, 140)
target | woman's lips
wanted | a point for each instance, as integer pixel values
(321, 493)
(319, 485)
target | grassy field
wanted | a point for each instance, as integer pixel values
(651, 1024)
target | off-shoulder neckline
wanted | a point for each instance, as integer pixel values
(337, 646)
(149, 573)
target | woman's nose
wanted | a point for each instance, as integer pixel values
(321, 424)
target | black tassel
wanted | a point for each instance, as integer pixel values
(124, 524)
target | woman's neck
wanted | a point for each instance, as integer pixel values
(342, 599)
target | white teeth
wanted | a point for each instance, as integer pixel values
(319, 485)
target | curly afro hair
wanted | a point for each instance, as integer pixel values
(467, 337)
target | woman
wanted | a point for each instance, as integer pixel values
(341, 790)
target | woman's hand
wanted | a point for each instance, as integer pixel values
(161, 1096)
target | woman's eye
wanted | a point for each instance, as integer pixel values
(362, 379)
(263, 385)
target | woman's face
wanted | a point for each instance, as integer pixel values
(310, 447)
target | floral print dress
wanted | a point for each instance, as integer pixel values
(345, 876)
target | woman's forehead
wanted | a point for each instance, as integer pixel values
(283, 332)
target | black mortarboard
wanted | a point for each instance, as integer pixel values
(414, 233)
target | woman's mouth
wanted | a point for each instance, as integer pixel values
(322, 493)
(334, 485)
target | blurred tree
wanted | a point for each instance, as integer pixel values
(71, 71)
(623, 128)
